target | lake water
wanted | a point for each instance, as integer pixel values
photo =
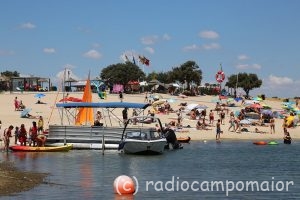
(181, 174)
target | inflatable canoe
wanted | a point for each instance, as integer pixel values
(42, 149)
(184, 139)
(260, 143)
(272, 143)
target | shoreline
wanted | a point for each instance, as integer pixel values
(9, 116)
(11, 176)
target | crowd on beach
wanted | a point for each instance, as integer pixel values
(20, 135)
(221, 118)
(238, 122)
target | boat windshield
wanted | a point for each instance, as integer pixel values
(136, 135)
(151, 135)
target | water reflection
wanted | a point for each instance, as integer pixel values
(87, 178)
(124, 197)
(89, 175)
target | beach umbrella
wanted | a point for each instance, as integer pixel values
(222, 97)
(267, 112)
(237, 99)
(182, 96)
(157, 103)
(255, 105)
(230, 99)
(257, 99)
(288, 106)
(143, 83)
(156, 97)
(39, 95)
(250, 102)
(201, 106)
(71, 99)
(289, 120)
(265, 106)
(25, 112)
(191, 106)
(171, 100)
(215, 100)
(245, 121)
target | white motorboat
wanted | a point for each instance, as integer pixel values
(142, 138)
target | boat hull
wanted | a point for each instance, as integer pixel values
(42, 149)
(132, 146)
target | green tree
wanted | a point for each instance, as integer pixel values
(10, 74)
(245, 81)
(122, 73)
(187, 73)
(151, 76)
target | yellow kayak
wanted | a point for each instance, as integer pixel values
(42, 149)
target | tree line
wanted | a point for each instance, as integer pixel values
(188, 73)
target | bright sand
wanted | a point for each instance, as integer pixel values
(9, 116)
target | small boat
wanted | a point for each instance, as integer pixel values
(144, 139)
(273, 143)
(260, 143)
(184, 139)
(66, 147)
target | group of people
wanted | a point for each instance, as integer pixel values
(34, 136)
(18, 104)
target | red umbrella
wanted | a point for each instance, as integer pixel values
(72, 99)
(256, 105)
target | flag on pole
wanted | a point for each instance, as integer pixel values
(126, 58)
(147, 62)
(144, 60)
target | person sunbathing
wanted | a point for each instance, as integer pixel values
(40, 102)
(258, 131)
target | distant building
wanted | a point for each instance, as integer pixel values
(29, 84)
(4, 83)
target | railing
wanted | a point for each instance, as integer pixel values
(86, 136)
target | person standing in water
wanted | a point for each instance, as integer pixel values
(6, 137)
(218, 130)
(33, 132)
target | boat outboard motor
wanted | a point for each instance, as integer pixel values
(171, 138)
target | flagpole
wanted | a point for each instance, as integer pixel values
(221, 82)
(237, 79)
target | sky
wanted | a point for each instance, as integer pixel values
(42, 38)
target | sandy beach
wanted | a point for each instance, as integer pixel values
(9, 116)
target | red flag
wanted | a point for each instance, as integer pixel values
(144, 60)
(147, 62)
